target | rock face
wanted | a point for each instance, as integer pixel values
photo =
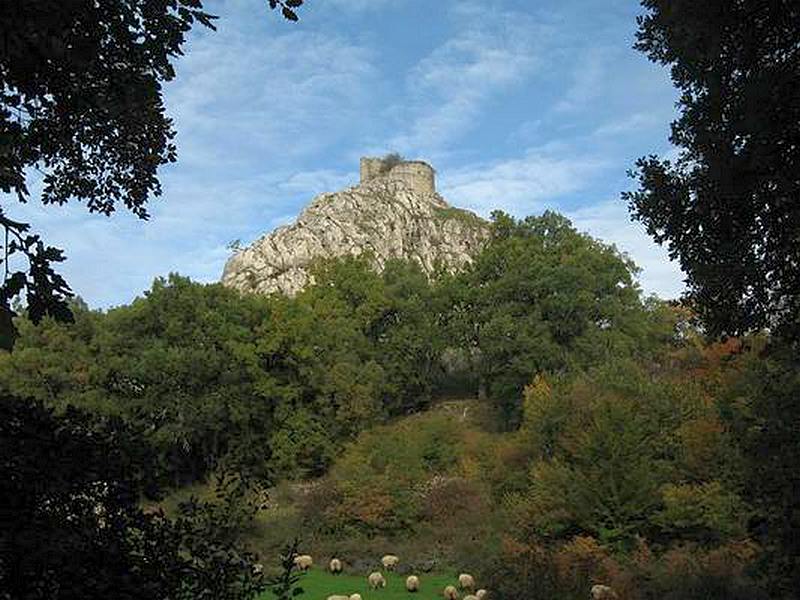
(394, 212)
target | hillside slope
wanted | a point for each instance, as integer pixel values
(386, 215)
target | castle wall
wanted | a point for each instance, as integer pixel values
(418, 175)
(370, 168)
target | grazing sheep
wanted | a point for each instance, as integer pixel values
(450, 593)
(355, 597)
(376, 580)
(390, 562)
(603, 592)
(466, 582)
(412, 583)
(481, 594)
(338, 597)
(470, 597)
(335, 566)
(303, 562)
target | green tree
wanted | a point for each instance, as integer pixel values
(544, 297)
(317, 350)
(172, 362)
(609, 460)
(409, 338)
(728, 210)
(728, 206)
(82, 106)
(274, 382)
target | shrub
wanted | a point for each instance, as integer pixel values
(389, 161)
(687, 572)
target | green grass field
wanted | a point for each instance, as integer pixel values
(318, 584)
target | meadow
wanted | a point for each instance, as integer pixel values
(318, 584)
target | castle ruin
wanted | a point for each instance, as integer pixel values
(417, 174)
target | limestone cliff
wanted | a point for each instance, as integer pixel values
(394, 212)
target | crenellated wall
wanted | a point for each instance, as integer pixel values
(418, 175)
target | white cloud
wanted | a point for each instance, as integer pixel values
(589, 78)
(631, 123)
(519, 186)
(262, 99)
(316, 182)
(491, 51)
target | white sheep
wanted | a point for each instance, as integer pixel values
(390, 562)
(412, 583)
(303, 562)
(603, 592)
(481, 594)
(376, 580)
(338, 597)
(470, 597)
(450, 593)
(335, 566)
(466, 582)
(355, 597)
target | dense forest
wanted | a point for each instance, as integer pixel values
(532, 419)
(534, 405)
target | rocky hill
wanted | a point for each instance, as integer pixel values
(394, 212)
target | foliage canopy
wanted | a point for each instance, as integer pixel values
(728, 206)
(81, 109)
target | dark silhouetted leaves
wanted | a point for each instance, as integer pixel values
(287, 8)
(81, 103)
(71, 525)
(729, 207)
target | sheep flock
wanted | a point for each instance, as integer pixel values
(376, 580)
(464, 588)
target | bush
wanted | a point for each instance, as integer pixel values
(687, 572)
(389, 161)
(618, 453)
(568, 570)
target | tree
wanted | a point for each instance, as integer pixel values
(275, 383)
(284, 586)
(764, 417)
(543, 297)
(408, 337)
(81, 107)
(170, 363)
(71, 526)
(615, 454)
(729, 206)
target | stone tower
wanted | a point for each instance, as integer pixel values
(417, 174)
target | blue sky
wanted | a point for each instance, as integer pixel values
(519, 105)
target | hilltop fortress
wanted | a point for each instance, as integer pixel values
(394, 212)
(417, 174)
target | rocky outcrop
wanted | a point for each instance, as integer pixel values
(384, 216)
